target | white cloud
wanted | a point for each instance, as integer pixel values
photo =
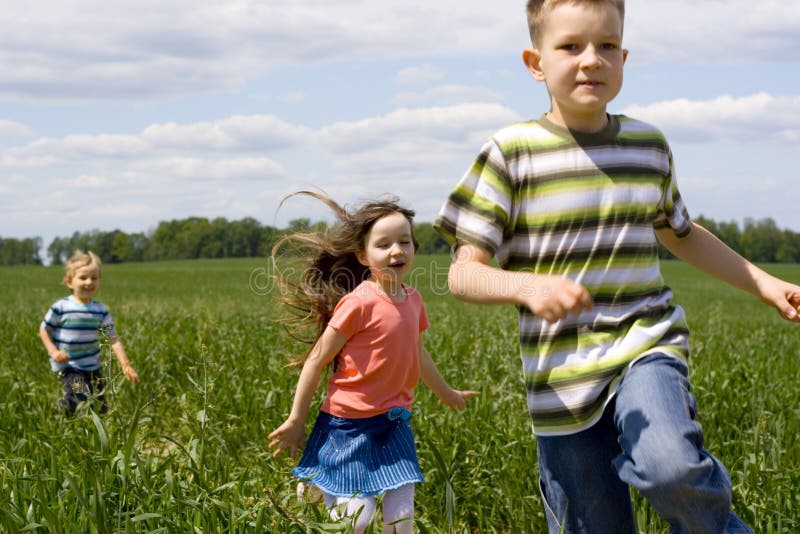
(712, 31)
(14, 129)
(447, 95)
(757, 118)
(462, 123)
(422, 74)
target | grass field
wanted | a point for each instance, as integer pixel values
(186, 449)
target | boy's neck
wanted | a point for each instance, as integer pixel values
(589, 124)
(78, 299)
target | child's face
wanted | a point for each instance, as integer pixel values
(85, 282)
(389, 250)
(580, 59)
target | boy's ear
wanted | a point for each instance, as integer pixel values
(532, 59)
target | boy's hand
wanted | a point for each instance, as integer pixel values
(785, 297)
(554, 297)
(290, 434)
(59, 356)
(130, 373)
(457, 400)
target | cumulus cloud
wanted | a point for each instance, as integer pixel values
(14, 129)
(447, 94)
(729, 31)
(422, 74)
(757, 118)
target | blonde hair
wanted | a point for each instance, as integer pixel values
(328, 266)
(538, 9)
(80, 259)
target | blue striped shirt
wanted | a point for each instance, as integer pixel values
(74, 327)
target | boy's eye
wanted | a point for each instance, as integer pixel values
(609, 46)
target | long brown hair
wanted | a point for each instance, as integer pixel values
(324, 265)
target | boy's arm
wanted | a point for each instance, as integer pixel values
(472, 279)
(432, 378)
(119, 351)
(704, 251)
(57, 354)
(291, 433)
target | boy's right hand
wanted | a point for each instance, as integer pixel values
(60, 356)
(554, 297)
(289, 434)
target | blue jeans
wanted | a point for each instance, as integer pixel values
(647, 438)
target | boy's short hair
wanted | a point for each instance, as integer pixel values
(537, 9)
(80, 259)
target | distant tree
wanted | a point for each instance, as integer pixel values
(789, 250)
(20, 251)
(761, 240)
(430, 241)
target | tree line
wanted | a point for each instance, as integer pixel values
(198, 237)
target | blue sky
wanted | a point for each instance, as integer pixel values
(124, 114)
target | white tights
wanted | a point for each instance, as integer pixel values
(398, 510)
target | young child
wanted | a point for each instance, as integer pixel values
(70, 333)
(371, 323)
(572, 206)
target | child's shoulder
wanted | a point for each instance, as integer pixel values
(632, 128)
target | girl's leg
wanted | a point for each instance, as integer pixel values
(398, 510)
(662, 450)
(581, 491)
(361, 509)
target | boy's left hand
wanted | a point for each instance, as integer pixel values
(130, 373)
(785, 297)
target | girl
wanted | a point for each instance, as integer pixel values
(370, 322)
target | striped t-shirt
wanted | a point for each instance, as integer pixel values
(74, 327)
(547, 200)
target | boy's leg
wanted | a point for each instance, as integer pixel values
(76, 388)
(398, 510)
(580, 488)
(96, 385)
(662, 449)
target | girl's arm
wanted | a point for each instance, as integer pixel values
(122, 358)
(432, 378)
(57, 354)
(472, 279)
(704, 251)
(292, 432)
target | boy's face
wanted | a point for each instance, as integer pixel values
(85, 283)
(580, 59)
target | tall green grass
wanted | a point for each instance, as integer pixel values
(186, 449)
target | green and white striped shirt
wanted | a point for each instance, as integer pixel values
(551, 201)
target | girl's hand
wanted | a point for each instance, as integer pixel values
(59, 356)
(130, 373)
(457, 400)
(290, 434)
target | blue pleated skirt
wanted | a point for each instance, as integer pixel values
(346, 457)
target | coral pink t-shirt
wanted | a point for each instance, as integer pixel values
(378, 367)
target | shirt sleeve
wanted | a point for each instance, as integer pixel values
(51, 319)
(478, 211)
(347, 315)
(672, 212)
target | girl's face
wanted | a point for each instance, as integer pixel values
(85, 282)
(389, 251)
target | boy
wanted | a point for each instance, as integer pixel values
(70, 333)
(571, 205)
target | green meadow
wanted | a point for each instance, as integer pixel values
(186, 450)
